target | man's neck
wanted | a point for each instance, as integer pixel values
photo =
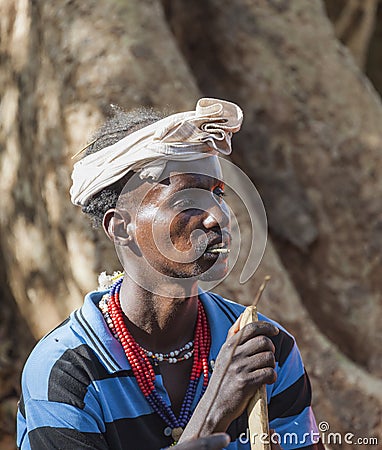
(160, 323)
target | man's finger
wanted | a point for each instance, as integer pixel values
(259, 328)
(216, 441)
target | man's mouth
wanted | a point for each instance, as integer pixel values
(217, 245)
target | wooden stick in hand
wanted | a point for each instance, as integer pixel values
(257, 408)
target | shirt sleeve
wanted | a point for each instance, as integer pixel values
(43, 424)
(59, 407)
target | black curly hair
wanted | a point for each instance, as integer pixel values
(119, 125)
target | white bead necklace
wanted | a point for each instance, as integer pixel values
(170, 357)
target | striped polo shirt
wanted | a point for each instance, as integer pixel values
(79, 392)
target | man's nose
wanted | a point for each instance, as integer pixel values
(216, 216)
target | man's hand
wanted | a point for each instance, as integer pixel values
(214, 442)
(235, 380)
(252, 365)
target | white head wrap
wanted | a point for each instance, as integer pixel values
(184, 136)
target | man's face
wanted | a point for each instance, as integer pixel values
(182, 224)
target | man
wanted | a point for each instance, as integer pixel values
(146, 363)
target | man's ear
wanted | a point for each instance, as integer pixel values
(118, 227)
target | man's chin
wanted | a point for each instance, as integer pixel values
(212, 276)
(208, 275)
(200, 270)
(215, 273)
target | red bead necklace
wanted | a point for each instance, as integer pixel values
(143, 369)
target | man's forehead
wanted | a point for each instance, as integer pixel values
(203, 173)
(180, 181)
(207, 167)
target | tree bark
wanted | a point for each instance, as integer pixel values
(355, 26)
(65, 63)
(311, 142)
(344, 394)
(16, 341)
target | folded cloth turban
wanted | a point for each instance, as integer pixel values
(183, 136)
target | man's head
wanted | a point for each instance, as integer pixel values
(164, 209)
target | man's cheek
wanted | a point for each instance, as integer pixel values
(178, 228)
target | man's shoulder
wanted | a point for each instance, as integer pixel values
(227, 309)
(219, 301)
(45, 355)
(81, 348)
(237, 308)
(72, 344)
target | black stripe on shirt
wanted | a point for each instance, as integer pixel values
(49, 438)
(284, 344)
(291, 401)
(73, 372)
(139, 433)
(71, 375)
(147, 432)
(238, 426)
(21, 406)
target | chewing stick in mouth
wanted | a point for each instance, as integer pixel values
(219, 250)
(257, 408)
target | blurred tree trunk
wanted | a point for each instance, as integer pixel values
(64, 62)
(311, 142)
(354, 24)
(370, 46)
(16, 341)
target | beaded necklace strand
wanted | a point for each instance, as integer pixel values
(143, 369)
(172, 357)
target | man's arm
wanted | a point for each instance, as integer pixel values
(42, 424)
(59, 407)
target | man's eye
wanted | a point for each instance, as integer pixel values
(219, 192)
